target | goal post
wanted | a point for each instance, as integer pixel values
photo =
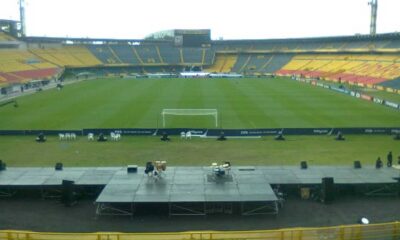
(190, 112)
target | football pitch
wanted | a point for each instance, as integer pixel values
(241, 103)
(23, 151)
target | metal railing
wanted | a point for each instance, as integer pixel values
(389, 231)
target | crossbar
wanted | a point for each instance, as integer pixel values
(190, 112)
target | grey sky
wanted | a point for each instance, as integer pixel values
(250, 19)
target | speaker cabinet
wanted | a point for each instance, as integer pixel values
(357, 164)
(59, 166)
(327, 190)
(2, 165)
(303, 165)
(132, 169)
(68, 193)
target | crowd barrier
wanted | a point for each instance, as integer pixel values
(384, 231)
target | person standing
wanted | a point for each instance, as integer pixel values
(389, 159)
(378, 163)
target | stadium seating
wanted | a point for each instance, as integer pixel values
(208, 56)
(260, 63)
(393, 44)
(358, 59)
(223, 63)
(391, 84)
(355, 45)
(104, 53)
(241, 62)
(198, 56)
(74, 56)
(9, 78)
(368, 69)
(253, 63)
(3, 80)
(148, 54)
(192, 55)
(5, 37)
(37, 74)
(159, 54)
(169, 54)
(277, 62)
(333, 44)
(151, 55)
(125, 54)
(22, 66)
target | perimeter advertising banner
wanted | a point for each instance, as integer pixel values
(197, 132)
(351, 93)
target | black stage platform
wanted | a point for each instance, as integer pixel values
(196, 190)
(191, 191)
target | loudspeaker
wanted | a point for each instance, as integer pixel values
(397, 137)
(59, 166)
(2, 165)
(303, 165)
(132, 168)
(327, 190)
(221, 137)
(68, 194)
(357, 164)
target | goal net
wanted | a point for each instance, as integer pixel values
(190, 112)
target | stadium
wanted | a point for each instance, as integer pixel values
(180, 136)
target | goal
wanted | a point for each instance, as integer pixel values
(190, 112)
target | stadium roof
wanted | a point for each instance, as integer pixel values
(172, 32)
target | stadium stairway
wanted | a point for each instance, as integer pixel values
(103, 54)
(260, 63)
(169, 54)
(203, 56)
(148, 55)
(138, 56)
(277, 62)
(181, 59)
(159, 55)
(253, 63)
(125, 54)
(243, 67)
(266, 64)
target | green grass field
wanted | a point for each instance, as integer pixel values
(317, 150)
(241, 103)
